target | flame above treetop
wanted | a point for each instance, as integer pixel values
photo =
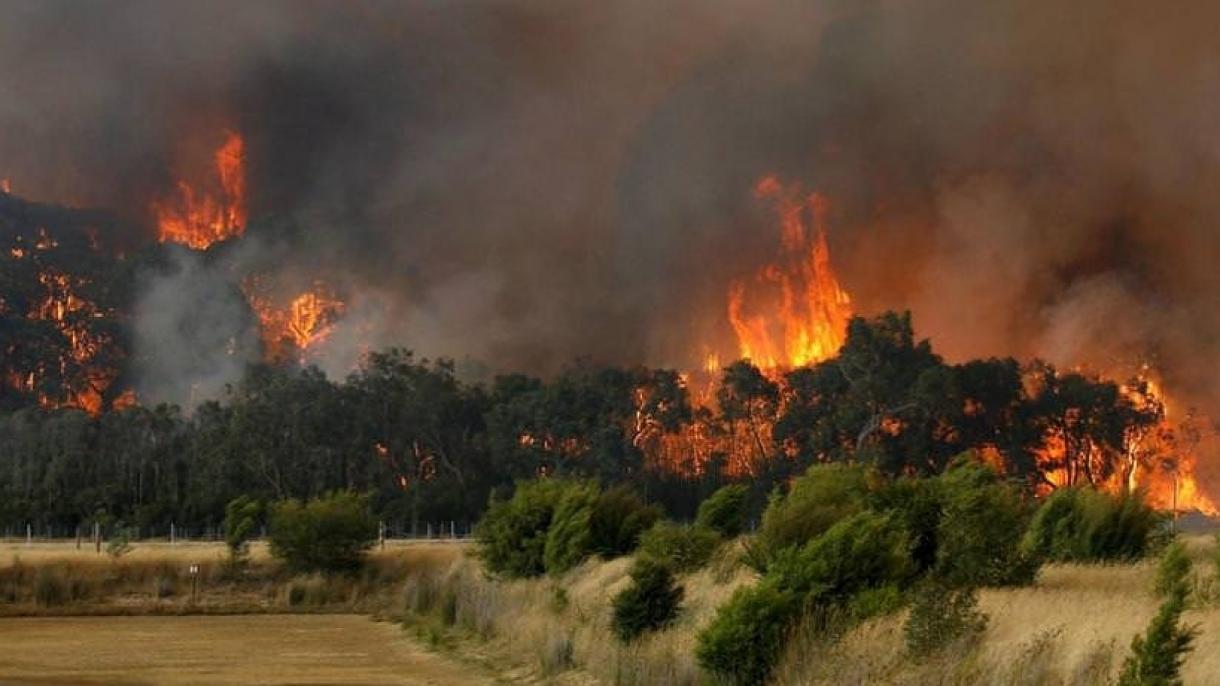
(792, 311)
(202, 214)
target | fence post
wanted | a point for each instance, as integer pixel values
(97, 536)
(29, 535)
(172, 533)
(78, 536)
(381, 534)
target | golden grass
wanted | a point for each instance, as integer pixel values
(232, 650)
(1074, 626)
(57, 579)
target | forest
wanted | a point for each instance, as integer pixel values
(428, 446)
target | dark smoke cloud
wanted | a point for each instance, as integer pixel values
(525, 182)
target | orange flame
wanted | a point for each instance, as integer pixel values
(6, 185)
(198, 219)
(302, 324)
(793, 311)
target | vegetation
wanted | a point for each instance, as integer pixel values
(1156, 656)
(651, 601)
(1173, 570)
(569, 535)
(941, 616)
(241, 521)
(428, 446)
(326, 534)
(680, 547)
(618, 520)
(1083, 524)
(725, 510)
(825, 494)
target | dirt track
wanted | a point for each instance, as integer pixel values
(247, 649)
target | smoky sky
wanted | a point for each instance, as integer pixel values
(527, 182)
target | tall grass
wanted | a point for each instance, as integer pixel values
(156, 579)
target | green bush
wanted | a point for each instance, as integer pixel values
(866, 550)
(825, 494)
(916, 504)
(857, 566)
(745, 640)
(327, 534)
(241, 521)
(512, 535)
(1173, 570)
(724, 511)
(1086, 525)
(941, 616)
(649, 603)
(982, 521)
(618, 520)
(1156, 657)
(569, 539)
(682, 548)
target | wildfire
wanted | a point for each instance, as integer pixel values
(793, 311)
(69, 314)
(303, 323)
(198, 216)
(6, 186)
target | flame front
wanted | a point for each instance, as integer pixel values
(300, 325)
(198, 218)
(791, 312)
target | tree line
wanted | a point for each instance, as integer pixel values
(427, 445)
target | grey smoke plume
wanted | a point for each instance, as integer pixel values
(525, 182)
(192, 333)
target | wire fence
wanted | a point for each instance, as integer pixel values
(93, 532)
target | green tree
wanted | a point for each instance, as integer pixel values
(327, 534)
(241, 521)
(651, 602)
(725, 510)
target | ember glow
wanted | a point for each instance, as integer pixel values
(291, 329)
(792, 311)
(200, 214)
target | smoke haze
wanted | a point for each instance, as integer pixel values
(526, 182)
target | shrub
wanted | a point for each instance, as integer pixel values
(916, 504)
(569, 539)
(941, 616)
(50, 589)
(724, 511)
(1156, 657)
(512, 534)
(240, 523)
(618, 520)
(855, 559)
(649, 603)
(981, 525)
(866, 550)
(119, 543)
(824, 495)
(682, 548)
(747, 636)
(327, 534)
(1086, 525)
(1173, 570)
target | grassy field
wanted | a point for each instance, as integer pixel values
(1074, 626)
(280, 649)
(153, 578)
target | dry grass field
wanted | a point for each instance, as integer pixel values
(153, 578)
(1073, 627)
(278, 649)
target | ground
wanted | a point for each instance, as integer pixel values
(246, 649)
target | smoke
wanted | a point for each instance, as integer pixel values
(526, 182)
(192, 333)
